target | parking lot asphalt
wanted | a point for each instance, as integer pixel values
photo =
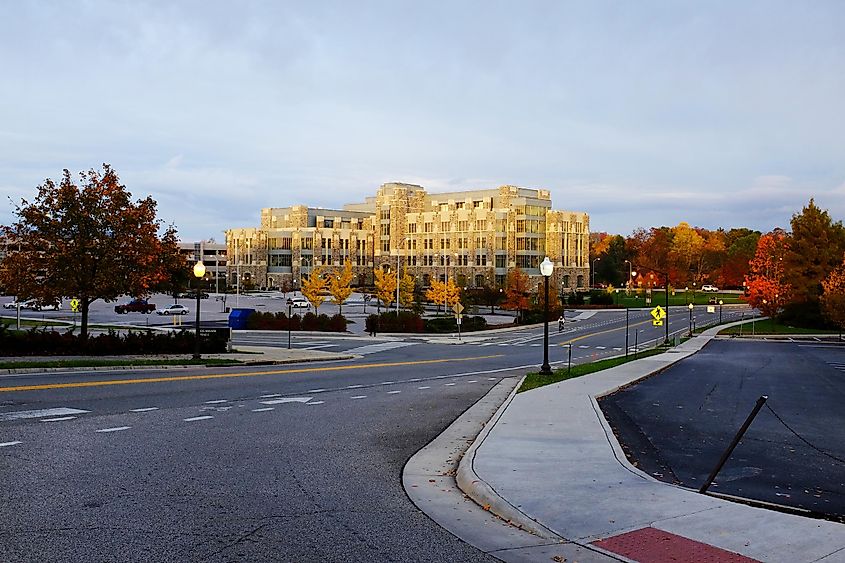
(676, 424)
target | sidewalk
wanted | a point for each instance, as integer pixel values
(551, 463)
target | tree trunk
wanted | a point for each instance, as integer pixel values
(83, 332)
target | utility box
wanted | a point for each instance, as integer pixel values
(238, 318)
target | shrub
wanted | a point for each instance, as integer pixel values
(450, 325)
(405, 321)
(280, 321)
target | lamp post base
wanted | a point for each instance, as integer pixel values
(545, 369)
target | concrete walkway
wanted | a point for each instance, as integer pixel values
(551, 463)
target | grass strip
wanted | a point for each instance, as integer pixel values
(534, 380)
(771, 326)
(90, 363)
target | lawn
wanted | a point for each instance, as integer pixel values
(771, 326)
(93, 362)
(680, 298)
(534, 380)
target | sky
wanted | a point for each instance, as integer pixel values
(720, 114)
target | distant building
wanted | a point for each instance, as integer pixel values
(476, 235)
(213, 256)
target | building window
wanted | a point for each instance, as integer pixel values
(462, 260)
(444, 226)
(501, 261)
(459, 205)
(528, 262)
(481, 259)
(328, 223)
(412, 228)
(429, 227)
(306, 243)
(385, 214)
(444, 244)
(385, 230)
(463, 226)
(385, 246)
(444, 207)
(480, 224)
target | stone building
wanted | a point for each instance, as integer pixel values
(474, 237)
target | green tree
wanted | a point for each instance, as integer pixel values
(86, 240)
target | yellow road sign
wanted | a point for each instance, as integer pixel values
(658, 313)
(657, 322)
(458, 308)
(74, 305)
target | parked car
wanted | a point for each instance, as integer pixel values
(193, 295)
(709, 288)
(299, 303)
(135, 306)
(15, 304)
(38, 306)
(174, 309)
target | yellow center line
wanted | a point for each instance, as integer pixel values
(634, 325)
(230, 375)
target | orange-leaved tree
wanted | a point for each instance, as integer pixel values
(406, 289)
(765, 283)
(516, 292)
(341, 286)
(443, 292)
(833, 296)
(314, 287)
(86, 240)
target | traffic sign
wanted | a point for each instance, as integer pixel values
(74, 305)
(658, 314)
(458, 308)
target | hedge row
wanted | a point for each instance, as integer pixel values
(410, 322)
(310, 321)
(42, 342)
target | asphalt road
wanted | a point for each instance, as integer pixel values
(288, 463)
(676, 424)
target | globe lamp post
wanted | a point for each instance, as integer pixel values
(199, 273)
(546, 268)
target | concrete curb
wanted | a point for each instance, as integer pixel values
(483, 494)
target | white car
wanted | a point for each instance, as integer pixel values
(15, 304)
(299, 303)
(174, 309)
(710, 288)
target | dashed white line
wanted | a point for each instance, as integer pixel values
(217, 402)
(415, 379)
(60, 419)
(491, 379)
(393, 392)
(286, 400)
(145, 409)
(535, 345)
(472, 381)
(313, 391)
(115, 429)
(315, 403)
(424, 387)
(275, 395)
(354, 386)
(265, 409)
(4, 444)
(388, 382)
(358, 397)
(601, 348)
(448, 384)
(195, 418)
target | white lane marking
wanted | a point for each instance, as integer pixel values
(601, 348)
(275, 395)
(145, 409)
(115, 429)
(472, 381)
(491, 379)
(487, 344)
(195, 418)
(448, 384)
(354, 386)
(4, 444)
(503, 344)
(359, 397)
(424, 387)
(617, 349)
(388, 382)
(265, 409)
(583, 346)
(60, 419)
(535, 344)
(315, 403)
(415, 379)
(286, 400)
(313, 391)
(217, 402)
(318, 346)
(381, 347)
(61, 411)
(393, 392)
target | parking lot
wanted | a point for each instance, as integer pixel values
(676, 424)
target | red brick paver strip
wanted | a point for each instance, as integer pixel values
(650, 545)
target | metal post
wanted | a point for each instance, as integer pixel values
(626, 331)
(289, 322)
(569, 369)
(720, 312)
(397, 282)
(760, 402)
(666, 320)
(197, 355)
(690, 323)
(546, 369)
(636, 345)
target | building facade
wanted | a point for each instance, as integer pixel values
(473, 237)
(213, 256)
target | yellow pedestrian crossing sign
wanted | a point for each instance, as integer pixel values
(658, 314)
(74, 305)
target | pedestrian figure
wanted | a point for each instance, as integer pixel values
(560, 322)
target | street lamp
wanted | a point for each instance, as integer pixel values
(290, 304)
(546, 268)
(594, 271)
(199, 272)
(690, 319)
(630, 274)
(720, 310)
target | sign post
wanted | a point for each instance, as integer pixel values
(458, 309)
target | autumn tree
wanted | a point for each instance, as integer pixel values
(516, 292)
(385, 283)
(314, 287)
(443, 292)
(177, 275)
(86, 240)
(766, 285)
(341, 286)
(816, 245)
(406, 290)
(687, 248)
(833, 296)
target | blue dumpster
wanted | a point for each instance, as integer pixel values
(238, 317)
